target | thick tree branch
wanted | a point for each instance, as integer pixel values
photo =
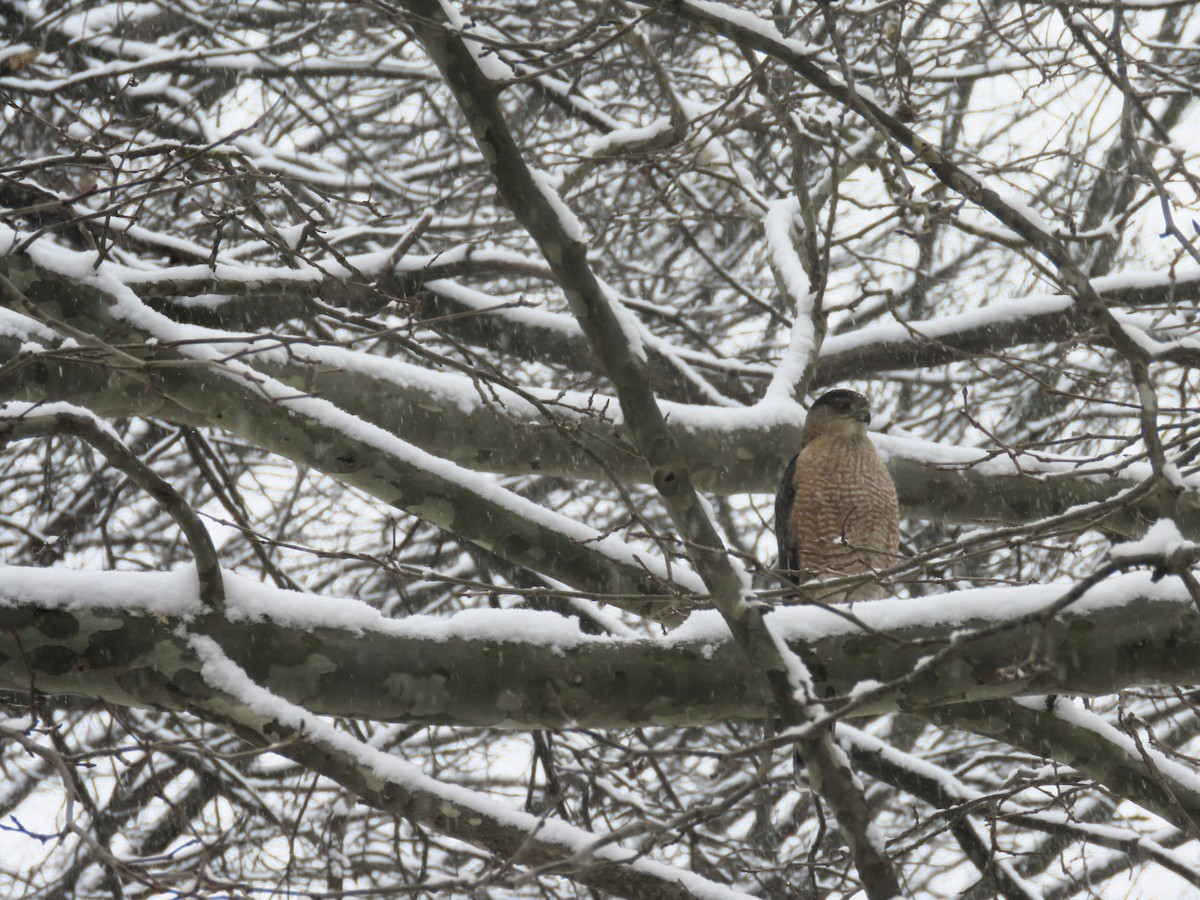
(262, 303)
(236, 703)
(101, 635)
(729, 453)
(228, 395)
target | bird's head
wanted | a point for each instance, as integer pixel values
(839, 412)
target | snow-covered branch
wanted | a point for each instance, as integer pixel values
(730, 451)
(942, 789)
(235, 298)
(232, 395)
(91, 633)
(237, 702)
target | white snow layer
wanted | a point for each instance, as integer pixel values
(176, 594)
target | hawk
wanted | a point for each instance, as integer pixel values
(836, 513)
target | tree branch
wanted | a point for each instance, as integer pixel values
(256, 715)
(25, 422)
(106, 635)
(227, 394)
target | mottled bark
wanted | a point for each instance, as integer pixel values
(119, 654)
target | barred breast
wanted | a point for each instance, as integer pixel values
(845, 518)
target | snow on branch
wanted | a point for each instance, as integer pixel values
(21, 421)
(730, 450)
(794, 372)
(397, 786)
(529, 669)
(1057, 728)
(234, 396)
(942, 789)
(234, 293)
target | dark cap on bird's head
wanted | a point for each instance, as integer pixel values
(843, 402)
(838, 413)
